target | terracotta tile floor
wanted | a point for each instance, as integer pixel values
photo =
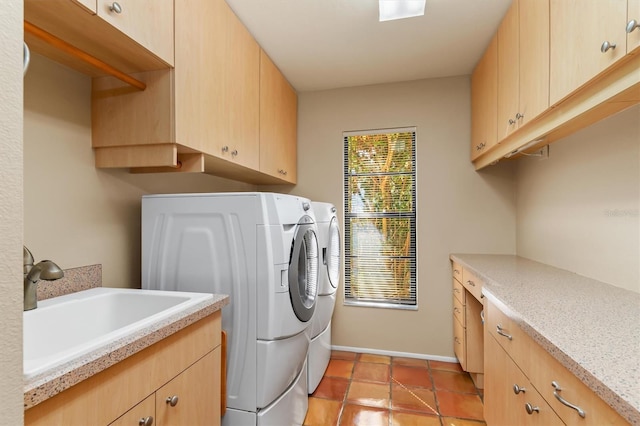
(375, 390)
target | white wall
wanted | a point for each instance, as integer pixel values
(580, 209)
(459, 210)
(11, 393)
(76, 214)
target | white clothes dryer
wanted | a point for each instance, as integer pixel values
(262, 250)
(329, 280)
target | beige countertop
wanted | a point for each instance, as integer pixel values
(590, 327)
(50, 383)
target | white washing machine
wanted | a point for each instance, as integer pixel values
(262, 250)
(329, 244)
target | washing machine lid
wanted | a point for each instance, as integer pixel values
(303, 270)
(332, 258)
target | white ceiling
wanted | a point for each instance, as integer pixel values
(325, 44)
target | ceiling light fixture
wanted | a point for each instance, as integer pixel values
(400, 9)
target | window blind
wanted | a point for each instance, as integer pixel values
(380, 218)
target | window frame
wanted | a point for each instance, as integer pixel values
(382, 303)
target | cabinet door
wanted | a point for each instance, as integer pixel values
(534, 59)
(633, 13)
(578, 29)
(508, 72)
(149, 22)
(216, 83)
(196, 392)
(484, 101)
(138, 414)
(278, 123)
(509, 397)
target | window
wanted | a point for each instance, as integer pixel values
(380, 218)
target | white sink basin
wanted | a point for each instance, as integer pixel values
(65, 328)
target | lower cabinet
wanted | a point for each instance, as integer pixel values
(467, 325)
(179, 402)
(509, 398)
(525, 385)
(175, 381)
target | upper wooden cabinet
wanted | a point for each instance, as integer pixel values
(523, 64)
(557, 72)
(633, 28)
(484, 101)
(586, 37)
(139, 38)
(224, 109)
(278, 122)
(148, 22)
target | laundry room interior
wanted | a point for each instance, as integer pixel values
(547, 218)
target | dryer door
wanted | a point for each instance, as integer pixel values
(332, 259)
(303, 270)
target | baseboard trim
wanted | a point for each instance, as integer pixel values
(395, 353)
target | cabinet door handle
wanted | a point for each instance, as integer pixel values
(500, 331)
(146, 421)
(234, 152)
(531, 409)
(115, 7)
(519, 116)
(556, 389)
(456, 290)
(471, 283)
(632, 25)
(606, 46)
(455, 271)
(517, 389)
(172, 400)
(457, 340)
(225, 148)
(512, 121)
(456, 310)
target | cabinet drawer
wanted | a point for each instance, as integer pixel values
(596, 411)
(509, 335)
(459, 311)
(459, 346)
(459, 292)
(472, 283)
(456, 270)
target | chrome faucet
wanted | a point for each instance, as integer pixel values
(43, 270)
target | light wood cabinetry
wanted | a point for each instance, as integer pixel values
(224, 109)
(467, 327)
(186, 364)
(140, 38)
(278, 122)
(553, 78)
(633, 34)
(513, 358)
(577, 33)
(523, 64)
(509, 397)
(484, 101)
(148, 22)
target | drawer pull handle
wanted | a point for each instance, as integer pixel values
(517, 389)
(471, 283)
(115, 7)
(456, 290)
(556, 389)
(606, 46)
(500, 331)
(455, 271)
(146, 421)
(531, 409)
(458, 341)
(456, 310)
(172, 400)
